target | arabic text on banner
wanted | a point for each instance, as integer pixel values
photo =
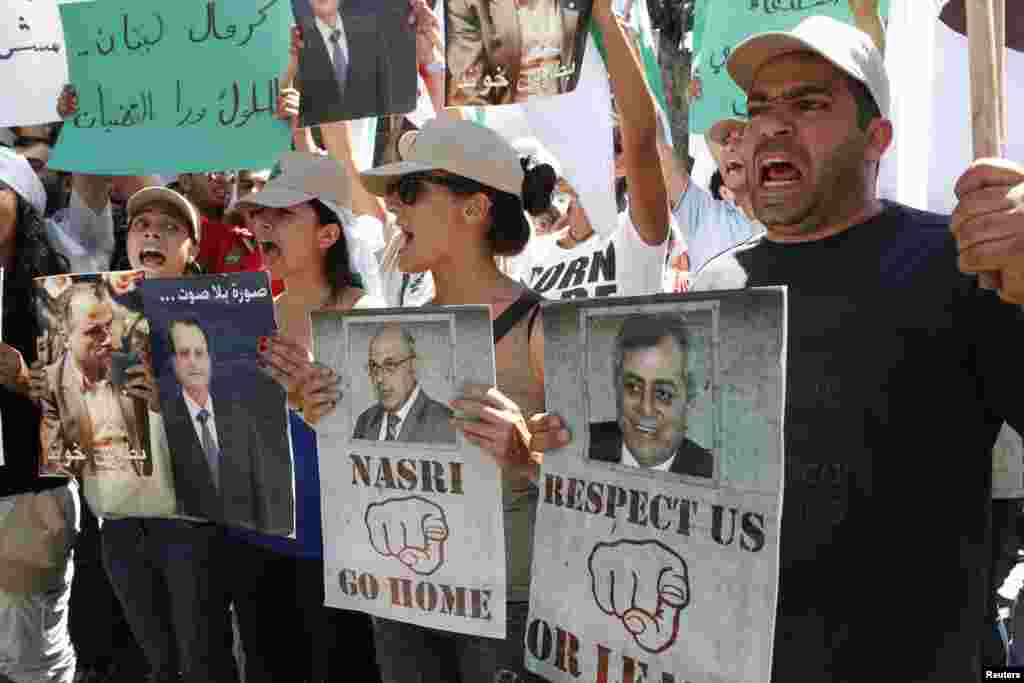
(184, 86)
(33, 62)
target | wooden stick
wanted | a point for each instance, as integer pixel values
(986, 103)
(999, 19)
(981, 45)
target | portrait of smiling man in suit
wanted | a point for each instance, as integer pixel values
(403, 412)
(654, 391)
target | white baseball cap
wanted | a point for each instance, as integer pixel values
(848, 48)
(148, 195)
(304, 177)
(459, 147)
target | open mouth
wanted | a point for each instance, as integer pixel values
(778, 173)
(646, 427)
(151, 258)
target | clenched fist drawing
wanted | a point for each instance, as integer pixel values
(412, 530)
(645, 585)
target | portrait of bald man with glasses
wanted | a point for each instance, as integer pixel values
(403, 412)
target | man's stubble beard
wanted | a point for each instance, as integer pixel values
(837, 194)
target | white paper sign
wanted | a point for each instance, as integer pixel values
(33, 62)
(412, 512)
(666, 575)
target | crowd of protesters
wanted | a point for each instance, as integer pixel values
(925, 362)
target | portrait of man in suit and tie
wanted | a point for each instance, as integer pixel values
(357, 59)
(88, 423)
(222, 469)
(654, 391)
(403, 412)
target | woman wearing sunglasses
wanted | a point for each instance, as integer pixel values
(623, 260)
(459, 198)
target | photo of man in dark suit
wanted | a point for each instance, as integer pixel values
(404, 412)
(222, 472)
(356, 60)
(654, 391)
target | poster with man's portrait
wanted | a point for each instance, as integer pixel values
(507, 52)
(657, 539)
(226, 421)
(93, 341)
(412, 511)
(358, 59)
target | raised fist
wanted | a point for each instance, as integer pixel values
(413, 530)
(645, 585)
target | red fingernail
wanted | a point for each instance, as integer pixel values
(263, 344)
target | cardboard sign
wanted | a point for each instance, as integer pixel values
(412, 512)
(33, 62)
(226, 421)
(656, 551)
(175, 87)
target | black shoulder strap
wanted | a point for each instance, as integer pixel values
(514, 313)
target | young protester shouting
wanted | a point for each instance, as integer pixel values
(312, 241)
(170, 575)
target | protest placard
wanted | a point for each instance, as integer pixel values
(226, 421)
(358, 59)
(726, 24)
(186, 86)
(503, 52)
(93, 340)
(33, 62)
(412, 512)
(656, 550)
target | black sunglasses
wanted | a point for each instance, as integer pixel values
(408, 187)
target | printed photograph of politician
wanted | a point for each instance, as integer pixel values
(649, 385)
(89, 382)
(358, 59)
(508, 51)
(226, 422)
(408, 368)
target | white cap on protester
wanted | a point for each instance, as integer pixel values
(305, 177)
(847, 47)
(17, 173)
(148, 195)
(459, 147)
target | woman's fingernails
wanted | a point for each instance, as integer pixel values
(263, 344)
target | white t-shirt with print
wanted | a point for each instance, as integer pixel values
(618, 264)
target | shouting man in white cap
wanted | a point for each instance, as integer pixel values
(900, 369)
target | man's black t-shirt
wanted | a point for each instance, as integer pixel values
(900, 372)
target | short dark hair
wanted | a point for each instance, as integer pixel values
(186, 322)
(339, 269)
(645, 332)
(867, 108)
